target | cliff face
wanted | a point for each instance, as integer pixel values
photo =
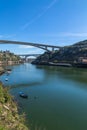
(67, 54)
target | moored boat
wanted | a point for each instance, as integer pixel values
(6, 79)
(23, 95)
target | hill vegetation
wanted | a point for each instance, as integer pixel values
(9, 117)
(68, 54)
(6, 57)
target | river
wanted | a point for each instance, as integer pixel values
(57, 96)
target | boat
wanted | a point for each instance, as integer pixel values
(6, 79)
(8, 72)
(9, 69)
(23, 95)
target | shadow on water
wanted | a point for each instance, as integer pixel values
(25, 85)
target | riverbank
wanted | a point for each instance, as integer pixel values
(74, 65)
(3, 66)
(2, 70)
(8, 58)
(74, 55)
(9, 116)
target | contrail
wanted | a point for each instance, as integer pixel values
(32, 20)
(39, 15)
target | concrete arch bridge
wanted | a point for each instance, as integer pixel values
(25, 56)
(38, 45)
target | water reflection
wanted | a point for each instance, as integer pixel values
(76, 74)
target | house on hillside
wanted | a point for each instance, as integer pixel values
(82, 60)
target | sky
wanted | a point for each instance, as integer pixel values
(53, 22)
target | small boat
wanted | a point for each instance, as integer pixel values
(8, 72)
(6, 79)
(9, 69)
(21, 94)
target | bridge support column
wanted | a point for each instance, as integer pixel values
(25, 58)
(52, 49)
(46, 47)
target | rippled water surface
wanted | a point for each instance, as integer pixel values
(57, 97)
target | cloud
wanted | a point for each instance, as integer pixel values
(35, 51)
(39, 15)
(25, 47)
(7, 36)
(70, 34)
(31, 51)
(64, 34)
(75, 34)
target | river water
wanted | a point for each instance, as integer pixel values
(57, 97)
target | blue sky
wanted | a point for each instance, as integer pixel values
(57, 22)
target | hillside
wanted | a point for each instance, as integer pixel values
(81, 43)
(9, 117)
(6, 57)
(69, 54)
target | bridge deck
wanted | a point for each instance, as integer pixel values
(27, 43)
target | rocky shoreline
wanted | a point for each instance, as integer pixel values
(76, 65)
(10, 119)
(9, 116)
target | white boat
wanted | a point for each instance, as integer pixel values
(6, 79)
(8, 72)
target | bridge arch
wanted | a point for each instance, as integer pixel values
(38, 45)
(28, 57)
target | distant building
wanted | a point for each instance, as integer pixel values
(82, 59)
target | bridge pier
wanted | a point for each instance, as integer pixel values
(25, 58)
(52, 49)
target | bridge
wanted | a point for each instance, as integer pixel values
(42, 46)
(26, 55)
